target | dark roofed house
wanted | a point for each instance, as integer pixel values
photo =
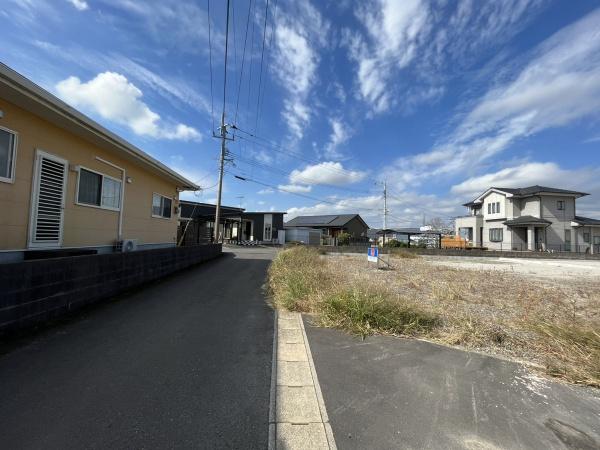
(332, 225)
(236, 224)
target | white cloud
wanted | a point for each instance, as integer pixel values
(266, 191)
(340, 133)
(529, 174)
(298, 35)
(174, 25)
(559, 85)
(430, 40)
(394, 29)
(114, 98)
(295, 188)
(81, 5)
(328, 172)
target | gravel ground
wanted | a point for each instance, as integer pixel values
(545, 269)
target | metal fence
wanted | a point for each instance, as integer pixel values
(545, 248)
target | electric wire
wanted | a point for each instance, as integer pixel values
(262, 56)
(237, 103)
(269, 46)
(226, 51)
(212, 102)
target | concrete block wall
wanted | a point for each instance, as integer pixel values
(39, 290)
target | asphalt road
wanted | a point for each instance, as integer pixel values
(386, 392)
(181, 363)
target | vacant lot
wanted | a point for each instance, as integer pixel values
(542, 269)
(549, 320)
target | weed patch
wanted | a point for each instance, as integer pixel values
(555, 326)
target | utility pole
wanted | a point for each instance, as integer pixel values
(223, 130)
(385, 210)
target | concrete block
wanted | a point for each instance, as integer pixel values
(294, 373)
(290, 335)
(291, 352)
(301, 437)
(289, 324)
(297, 404)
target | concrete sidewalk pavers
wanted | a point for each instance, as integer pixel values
(298, 416)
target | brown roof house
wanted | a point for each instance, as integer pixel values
(67, 184)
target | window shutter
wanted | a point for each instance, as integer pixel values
(49, 202)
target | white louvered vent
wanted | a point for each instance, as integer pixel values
(48, 219)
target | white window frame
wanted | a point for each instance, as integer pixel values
(13, 167)
(560, 205)
(501, 235)
(497, 207)
(489, 208)
(161, 208)
(89, 205)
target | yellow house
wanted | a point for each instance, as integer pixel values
(66, 182)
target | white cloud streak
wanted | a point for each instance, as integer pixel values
(558, 86)
(295, 188)
(114, 98)
(299, 34)
(328, 172)
(340, 133)
(80, 5)
(428, 38)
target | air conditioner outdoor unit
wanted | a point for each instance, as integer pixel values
(127, 245)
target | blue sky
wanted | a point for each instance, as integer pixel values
(439, 98)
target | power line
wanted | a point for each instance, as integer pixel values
(212, 108)
(239, 177)
(285, 151)
(226, 51)
(261, 94)
(303, 179)
(237, 103)
(262, 56)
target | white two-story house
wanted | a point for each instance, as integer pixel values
(532, 218)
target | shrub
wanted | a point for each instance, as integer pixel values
(343, 239)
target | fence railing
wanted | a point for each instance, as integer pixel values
(523, 247)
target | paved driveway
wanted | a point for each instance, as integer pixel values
(182, 363)
(386, 392)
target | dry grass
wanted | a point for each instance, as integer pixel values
(553, 325)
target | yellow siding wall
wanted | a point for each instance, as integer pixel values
(83, 225)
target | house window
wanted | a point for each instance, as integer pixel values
(8, 146)
(496, 234)
(161, 206)
(586, 237)
(96, 189)
(560, 205)
(489, 208)
(498, 207)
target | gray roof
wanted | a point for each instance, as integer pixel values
(405, 231)
(532, 190)
(586, 221)
(338, 220)
(527, 220)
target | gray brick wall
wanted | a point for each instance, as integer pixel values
(36, 291)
